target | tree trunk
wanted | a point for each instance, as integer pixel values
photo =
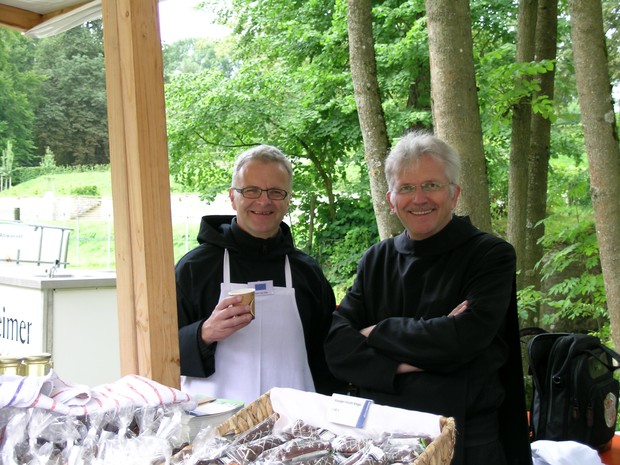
(598, 119)
(370, 111)
(456, 115)
(540, 143)
(520, 140)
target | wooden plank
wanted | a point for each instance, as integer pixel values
(23, 20)
(18, 19)
(141, 191)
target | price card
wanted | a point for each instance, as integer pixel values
(348, 410)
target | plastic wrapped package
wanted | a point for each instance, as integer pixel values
(40, 437)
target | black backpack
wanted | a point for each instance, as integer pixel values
(575, 394)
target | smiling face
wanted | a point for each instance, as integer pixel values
(423, 214)
(261, 217)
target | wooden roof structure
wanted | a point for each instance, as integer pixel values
(139, 167)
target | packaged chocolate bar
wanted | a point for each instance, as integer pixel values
(249, 451)
(301, 429)
(297, 450)
(264, 428)
(347, 445)
(369, 455)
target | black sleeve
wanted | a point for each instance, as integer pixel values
(197, 289)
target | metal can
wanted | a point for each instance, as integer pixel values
(11, 366)
(37, 364)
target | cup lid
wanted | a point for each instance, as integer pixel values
(245, 290)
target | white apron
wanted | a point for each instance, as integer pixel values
(269, 352)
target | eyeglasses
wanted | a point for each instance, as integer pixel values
(426, 187)
(256, 192)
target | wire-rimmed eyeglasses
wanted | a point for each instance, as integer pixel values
(256, 192)
(426, 187)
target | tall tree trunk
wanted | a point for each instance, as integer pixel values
(370, 111)
(601, 137)
(520, 140)
(540, 148)
(456, 114)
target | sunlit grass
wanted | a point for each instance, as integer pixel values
(91, 242)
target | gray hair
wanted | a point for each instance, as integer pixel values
(414, 145)
(265, 154)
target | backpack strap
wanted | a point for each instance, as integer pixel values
(578, 347)
(613, 354)
(531, 331)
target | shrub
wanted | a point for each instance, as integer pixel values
(85, 191)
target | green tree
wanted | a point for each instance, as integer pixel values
(19, 87)
(71, 119)
(370, 111)
(611, 18)
(278, 94)
(601, 137)
(291, 86)
(189, 56)
(6, 166)
(48, 163)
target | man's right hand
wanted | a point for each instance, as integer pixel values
(460, 308)
(227, 318)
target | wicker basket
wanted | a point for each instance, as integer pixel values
(438, 452)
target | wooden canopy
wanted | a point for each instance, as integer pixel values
(139, 165)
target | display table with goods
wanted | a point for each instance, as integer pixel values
(44, 420)
(287, 426)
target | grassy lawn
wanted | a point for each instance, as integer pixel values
(66, 184)
(91, 241)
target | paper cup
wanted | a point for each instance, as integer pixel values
(248, 297)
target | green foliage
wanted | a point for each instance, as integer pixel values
(573, 254)
(19, 87)
(85, 191)
(64, 180)
(48, 163)
(342, 241)
(611, 19)
(71, 118)
(8, 156)
(504, 83)
(190, 56)
(91, 242)
(569, 188)
(275, 95)
(25, 178)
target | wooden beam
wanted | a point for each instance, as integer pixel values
(16, 18)
(141, 191)
(23, 20)
(62, 11)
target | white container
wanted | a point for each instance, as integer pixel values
(73, 316)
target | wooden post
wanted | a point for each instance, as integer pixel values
(141, 191)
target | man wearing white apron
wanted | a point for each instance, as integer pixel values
(225, 352)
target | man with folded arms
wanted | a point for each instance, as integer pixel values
(430, 323)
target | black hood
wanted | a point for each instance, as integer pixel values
(223, 231)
